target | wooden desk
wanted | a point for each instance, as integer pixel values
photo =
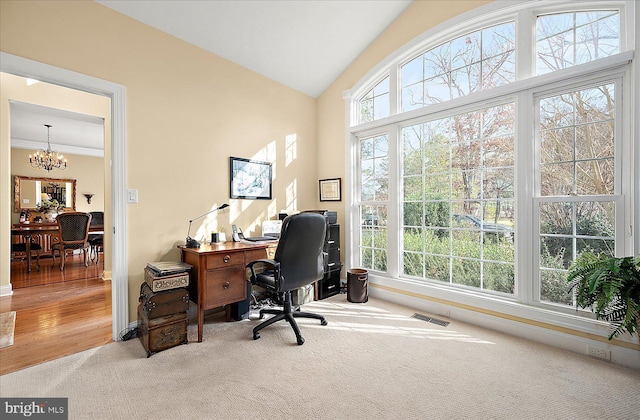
(35, 229)
(218, 276)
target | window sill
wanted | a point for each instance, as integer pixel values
(460, 301)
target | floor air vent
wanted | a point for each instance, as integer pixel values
(431, 320)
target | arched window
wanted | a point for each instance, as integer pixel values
(568, 39)
(374, 105)
(505, 157)
(470, 63)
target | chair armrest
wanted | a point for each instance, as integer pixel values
(270, 265)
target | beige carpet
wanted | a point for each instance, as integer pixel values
(373, 361)
(7, 327)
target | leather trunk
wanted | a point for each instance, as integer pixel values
(161, 333)
(171, 281)
(166, 302)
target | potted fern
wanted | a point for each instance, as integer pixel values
(610, 286)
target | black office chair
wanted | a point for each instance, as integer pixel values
(73, 234)
(96, 240)
(298, 262)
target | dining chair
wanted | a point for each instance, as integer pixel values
(96, 240)
(73, 233)
(21, 248)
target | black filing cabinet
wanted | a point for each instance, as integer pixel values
(330, 283)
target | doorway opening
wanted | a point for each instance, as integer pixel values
(117, 93)
(78, 134)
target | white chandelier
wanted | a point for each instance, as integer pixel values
(48, 159)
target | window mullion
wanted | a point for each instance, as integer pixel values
(393, 209)
(527, 248)
(525, 35)
(394, 91)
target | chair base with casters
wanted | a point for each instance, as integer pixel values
(288, 313)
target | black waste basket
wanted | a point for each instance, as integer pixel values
(357, 285)
(240, 310)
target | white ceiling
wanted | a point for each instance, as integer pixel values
(303, 44)
(70, 133)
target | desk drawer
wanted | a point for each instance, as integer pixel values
(225, 259)
(225, 285)
(258, 254)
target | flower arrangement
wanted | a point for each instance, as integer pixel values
(48, 204)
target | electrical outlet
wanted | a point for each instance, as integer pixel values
(599, 353)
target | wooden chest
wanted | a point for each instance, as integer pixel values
(161, 333)
(160, 283)
(167, 302)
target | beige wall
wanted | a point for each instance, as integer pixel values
(187, 111)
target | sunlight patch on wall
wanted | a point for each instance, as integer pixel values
(272, 209)
(211, 223)
(290, 148)
(292, 196)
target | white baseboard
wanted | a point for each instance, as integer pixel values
(6, 290)
(582, 345)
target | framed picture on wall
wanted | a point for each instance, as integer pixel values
(249, 179)
(330, 189)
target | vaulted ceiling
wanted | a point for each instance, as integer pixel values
(303, 44)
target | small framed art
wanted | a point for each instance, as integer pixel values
(330, 189)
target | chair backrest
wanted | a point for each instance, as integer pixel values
(74, 227)
(97, 218)
(300, 250)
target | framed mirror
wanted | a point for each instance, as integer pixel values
(29, 192)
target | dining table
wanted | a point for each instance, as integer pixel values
(28, 230)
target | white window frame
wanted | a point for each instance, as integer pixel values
(623, 170)
(471, 107)
(524, 89)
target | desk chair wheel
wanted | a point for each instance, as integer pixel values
(323, 322)
(300, 341)
(256, 335)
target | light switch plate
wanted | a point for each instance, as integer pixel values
(132, 196)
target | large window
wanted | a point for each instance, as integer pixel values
(504, 157)
(458, 199)
(576, 201)
(374, 196)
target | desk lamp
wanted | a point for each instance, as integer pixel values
(192, 243)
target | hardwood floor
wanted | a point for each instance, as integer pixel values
(74, 270)
(57, 313)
